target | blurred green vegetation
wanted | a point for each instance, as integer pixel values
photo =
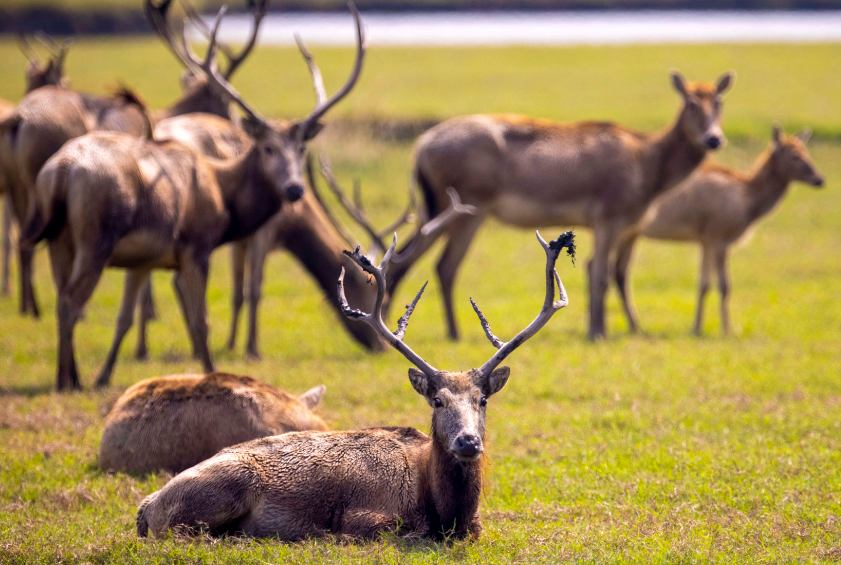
(659, 448)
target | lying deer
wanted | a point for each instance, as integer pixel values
(110, 199)
(716, 207)
(49, 117)
(172, 423)
(530, 173)
(359, 483)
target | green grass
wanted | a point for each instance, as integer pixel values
(662, 448)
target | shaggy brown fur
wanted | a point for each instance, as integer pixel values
(174, 422)
(715, 207)
(534, 173)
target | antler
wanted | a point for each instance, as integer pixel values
(374, 319)
(550, 305)
(27, 49)
(346, 235)
(210, 69)
(58, 51)
(322, 106)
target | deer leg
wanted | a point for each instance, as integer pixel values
(148, 312)
(257, 260)
(703, 287)
(179, 294)
(598, 270)
(191, 278)
(238, 252)
(7, 243)
(87, 269)
(136, 281)
(623, 259)
(460, 237)
(723, 287)
(28, 301)
(366, 524)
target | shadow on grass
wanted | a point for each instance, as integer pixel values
(27, 390)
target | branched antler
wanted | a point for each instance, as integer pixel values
(374, 319)
(550, 305)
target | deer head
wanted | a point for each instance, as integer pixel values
(701, 115)
(280, 145)
(458, 399)
(791, 159)
(51, 73)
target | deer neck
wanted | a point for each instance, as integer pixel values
(672, 158)
(766, 186)
(248, 198)
(454, 492)
(195, 100)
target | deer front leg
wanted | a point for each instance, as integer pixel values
(598, 270)
(7, 243)
(136, 281)
(460, 237)
(623, 260)
(703, 287)
(238, 252)
(260, 246)
(179, 294)
(147, 314)
(366, 524)
(723, 287)
(191, 280)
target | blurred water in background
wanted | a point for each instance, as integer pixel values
(544, 28)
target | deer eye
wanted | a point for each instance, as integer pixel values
(436, 402)
(483, 401)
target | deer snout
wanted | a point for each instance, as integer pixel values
(467, 447)
(818, 181)
(713, 140)
(293, 192)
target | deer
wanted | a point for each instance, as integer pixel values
(172, 423)
(716, 207)
(360, 483)
(111, 199)
(50, 116)
(38, 74)
(531, 172)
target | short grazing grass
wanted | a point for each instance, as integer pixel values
(660, 448)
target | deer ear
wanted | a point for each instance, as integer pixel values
(313, 396)
(314, 130)
(776, 134)
(679, 83)
(725, 82)
(496, 380)
(253, 128)
(805, 135)
(420, 382)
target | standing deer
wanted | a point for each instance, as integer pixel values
(531, 173)
(50, 116)
(359, 483)
(716, 207)
(172, 423)
(109, 199)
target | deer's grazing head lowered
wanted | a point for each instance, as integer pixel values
(49, 73)
(701, 116)
(359, 483)
(791, 160)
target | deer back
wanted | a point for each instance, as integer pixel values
(172, 423)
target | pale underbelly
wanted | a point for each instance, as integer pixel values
(144, 249)
(528, 213)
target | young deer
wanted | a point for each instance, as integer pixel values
(715, 207)
(531, 173)
(109, 199)
(172, 423)
(359, 483)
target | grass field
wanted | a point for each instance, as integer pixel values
(661, 448)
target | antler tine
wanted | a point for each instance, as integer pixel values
(374, 319)
(355, 212)
(49, 43)
(198, 21)
(346, 235)
(550, 305)
(209, 68)
(157, 15)
(258, 11)
(27, 49)
(322, 107)
(315, 72)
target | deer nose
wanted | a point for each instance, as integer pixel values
(713, 141)
(294, 192)
(818, 181)
(468, 446)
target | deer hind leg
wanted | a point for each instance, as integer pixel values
(703, 287)
(191, 282)
(257, 262)
(136, 281)
(598, 270)
(7, 244)
(723, 287)
(179, 294)
(239, 250)
(460, 238)
(28, 300)
(624, 254)
(148, 312)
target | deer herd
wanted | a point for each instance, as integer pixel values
(107, 182)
